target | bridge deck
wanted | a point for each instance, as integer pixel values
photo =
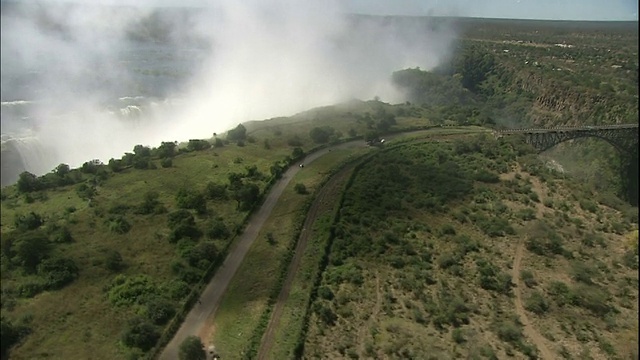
(568, 128)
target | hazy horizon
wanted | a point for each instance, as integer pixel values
(585, 10)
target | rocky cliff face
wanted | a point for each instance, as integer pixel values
(558, 102)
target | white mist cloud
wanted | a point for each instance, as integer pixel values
(265, 60)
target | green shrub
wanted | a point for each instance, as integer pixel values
(324, 292)
(486, 176)
(528, 278)
(31, 221)
(583, 272)
(151, 204)
(509, 331)
(589, 205)
(191, 199)
(57, 273)
(536, 303)
(29, 250)
(118, 224)
(62, 235)
(178, 217)
(126, 291)
(560, 292)
(325, 313)
(458, 336)
(30, 288)
(216, 191)
(166, 163)
(448, 229)
(630, 259)
(592, 298)
(448, 260)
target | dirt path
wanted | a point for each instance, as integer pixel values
(201, 314)
(324, 201)
(529, 331)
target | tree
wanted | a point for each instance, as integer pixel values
(115, 165)
(216, 191)
(297, 153)
(31, 221)
(86, 192)
(196, 145)
(190, 199)
(322, 134)
(371, 135)
(62, 170)
(239, 133)
(166, 149)
(58, 272)
(142, 151)
(28, 182)
(141, 334)
(247, 196)
(91, 167)
(159, 310)
(217, 229)
(192, 348)
(30, 250)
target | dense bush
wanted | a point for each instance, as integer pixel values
(238, 133)
(322, 134)
(215, 191)
(58, 272)
(29, 250)
(141, 334)
(118, 224)
(217, 229)
(159, 310)
(61, 235)
(536, 303)
(30, 221)
(126, 291)
(150, 204)
(191, 199)
(10, 334)
(28, 182)
(197, 145)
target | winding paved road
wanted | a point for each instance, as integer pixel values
(212, 294)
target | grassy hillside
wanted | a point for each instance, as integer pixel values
(101, 261)
(422, 261)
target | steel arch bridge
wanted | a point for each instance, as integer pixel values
(624, 137)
